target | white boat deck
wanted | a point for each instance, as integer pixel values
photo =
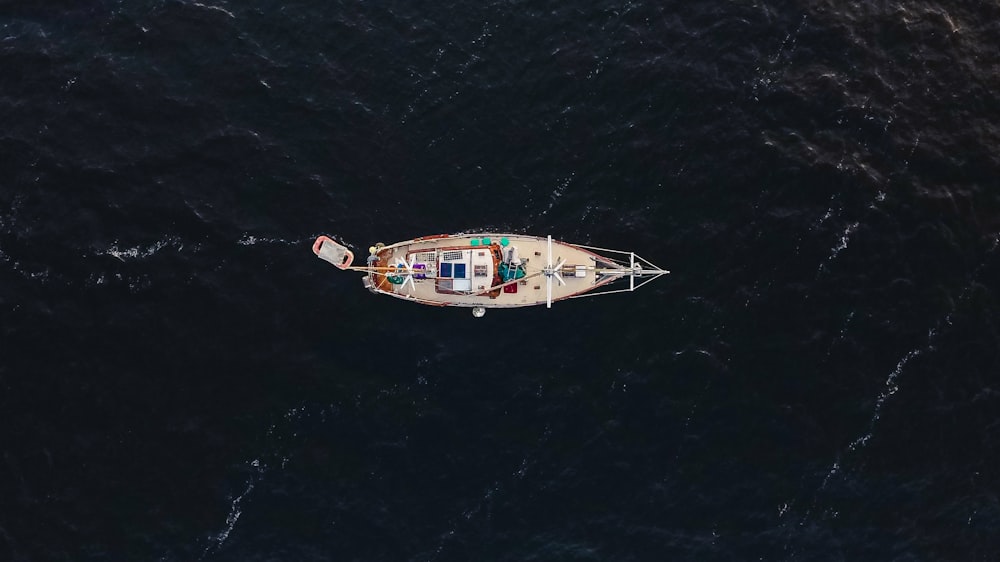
(460, 270)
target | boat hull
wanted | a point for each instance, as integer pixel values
(475, 291)
(491, 270)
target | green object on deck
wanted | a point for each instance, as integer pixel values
(508, 273)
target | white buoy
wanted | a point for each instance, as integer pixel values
(479, 311)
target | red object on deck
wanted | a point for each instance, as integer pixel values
(512, 288)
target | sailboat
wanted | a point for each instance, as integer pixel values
(491, 270)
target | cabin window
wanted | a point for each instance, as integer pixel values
(456, 270)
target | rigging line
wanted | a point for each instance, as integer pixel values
(511, 282)
(602, 249)
(657, 276)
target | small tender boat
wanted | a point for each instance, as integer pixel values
(481, 271)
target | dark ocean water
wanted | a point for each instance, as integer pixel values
(181, 379)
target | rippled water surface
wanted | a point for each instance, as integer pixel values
(181, 379)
